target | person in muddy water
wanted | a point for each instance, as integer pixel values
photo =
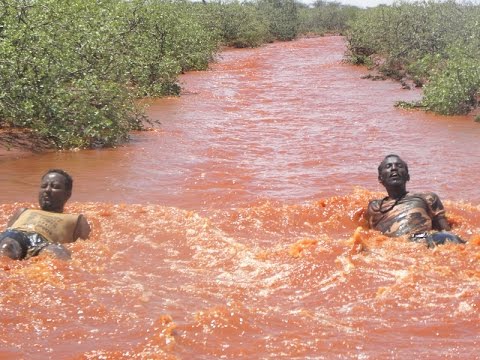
(31, 232)
(419, 215)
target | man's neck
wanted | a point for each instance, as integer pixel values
(396, 192)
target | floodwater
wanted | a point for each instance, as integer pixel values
(235, 229)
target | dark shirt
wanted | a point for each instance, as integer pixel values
(31, 243)
(412, 214)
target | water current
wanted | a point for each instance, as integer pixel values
(235, 228)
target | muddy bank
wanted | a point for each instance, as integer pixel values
(15, 143)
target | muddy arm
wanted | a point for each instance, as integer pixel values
(440, 223)
(83, 229)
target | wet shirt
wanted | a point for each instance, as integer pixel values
(412, 214)
(54, 227)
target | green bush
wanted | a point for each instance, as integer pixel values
(71, 69)
(253, 23)
(161, 40)
(54, 75)
(241, 24)
(282, 16)
(455, 87)
(407, 32)
(436, 44)
(326, 17)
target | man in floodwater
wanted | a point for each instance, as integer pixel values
(31, 232)
(420, 215)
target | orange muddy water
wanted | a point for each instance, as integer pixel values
(234, 230)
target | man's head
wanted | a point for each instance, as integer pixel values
(393, 171)
(55, 190)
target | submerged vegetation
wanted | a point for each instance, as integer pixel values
(72, 71)
(435, 45)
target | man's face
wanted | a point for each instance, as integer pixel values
(394, 172)
(53, 194)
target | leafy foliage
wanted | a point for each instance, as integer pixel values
(455, 87)
(160, 41)
(282, 16)
(436, 44)
(253, 23)
(54, 73)
(240, 24)
(71, 69)
(326, 17)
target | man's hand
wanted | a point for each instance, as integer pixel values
(441, 223)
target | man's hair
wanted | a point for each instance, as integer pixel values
(68, 178)
(382, 164)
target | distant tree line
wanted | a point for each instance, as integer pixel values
(326, 17)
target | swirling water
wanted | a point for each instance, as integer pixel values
(234, 229)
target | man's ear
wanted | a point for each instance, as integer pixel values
(69, 194)
(380, 179)
(408, 177)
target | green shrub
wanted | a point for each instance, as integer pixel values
(282, 16)
(326, 17)
(432, 43)
(242, 24)
(54, 72)
(455, 87)
(253, 23)
(161, 40)
(407, 32)
(71, 69)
